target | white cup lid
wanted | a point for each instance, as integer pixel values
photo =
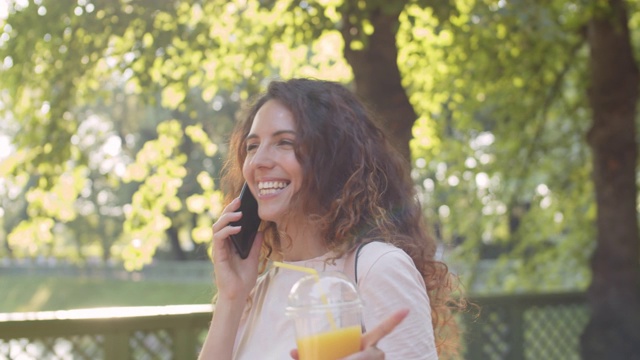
(321, 292)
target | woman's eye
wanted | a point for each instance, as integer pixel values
(251, 147)
(286, 142)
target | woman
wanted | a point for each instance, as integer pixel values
(327, 183)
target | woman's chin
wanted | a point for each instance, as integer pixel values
(269, 216)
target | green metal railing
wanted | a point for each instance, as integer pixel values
(541, 326)
(526, 327)
(162, 332)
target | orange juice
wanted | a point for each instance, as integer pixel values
(330, 345)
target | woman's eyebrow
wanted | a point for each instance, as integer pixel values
(277, 133)
(282, 132)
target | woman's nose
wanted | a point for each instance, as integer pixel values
(262, 157)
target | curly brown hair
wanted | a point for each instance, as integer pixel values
(356, 187)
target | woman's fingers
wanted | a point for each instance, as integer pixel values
(371, 353)
(221, 238)
(225, 232)
(371, 338)
(222, 230)
(228, 215)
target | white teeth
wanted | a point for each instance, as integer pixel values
(270, 187)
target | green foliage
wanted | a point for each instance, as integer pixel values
(499, 147)
(499, 151)
(160, 168)
(175, 56)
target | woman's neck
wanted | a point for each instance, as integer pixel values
(302, 241)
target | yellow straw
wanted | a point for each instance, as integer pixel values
(296, 268)
(314, 272)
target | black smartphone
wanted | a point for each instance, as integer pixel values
(249, 222)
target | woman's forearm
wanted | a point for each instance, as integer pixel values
(221, 337)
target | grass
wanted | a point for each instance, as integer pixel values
(23, 293)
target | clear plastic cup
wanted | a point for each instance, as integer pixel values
(327, 313)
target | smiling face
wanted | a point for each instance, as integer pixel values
(271, 168)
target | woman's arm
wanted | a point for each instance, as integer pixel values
(388, 280)
(235, 278)
(221, 337)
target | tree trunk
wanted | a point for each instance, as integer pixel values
(614, 295)
(7, 247)
(376, 73)
(177, 253)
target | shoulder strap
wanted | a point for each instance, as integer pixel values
(351, 268)
(355, 265)
(351, 263)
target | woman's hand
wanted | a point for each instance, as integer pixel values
(371, 338)
(368, 350)
(235, 277)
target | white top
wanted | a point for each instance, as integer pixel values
(387, 281)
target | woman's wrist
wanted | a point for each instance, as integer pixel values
(229, 307)
(222, 331)
(232, 297)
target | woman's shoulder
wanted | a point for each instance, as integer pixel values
(384, 257)
(376, 250)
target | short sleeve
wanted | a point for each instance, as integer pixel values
(388, 281)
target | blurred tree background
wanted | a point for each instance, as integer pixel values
(518, 117)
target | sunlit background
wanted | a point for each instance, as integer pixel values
(115, 116)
